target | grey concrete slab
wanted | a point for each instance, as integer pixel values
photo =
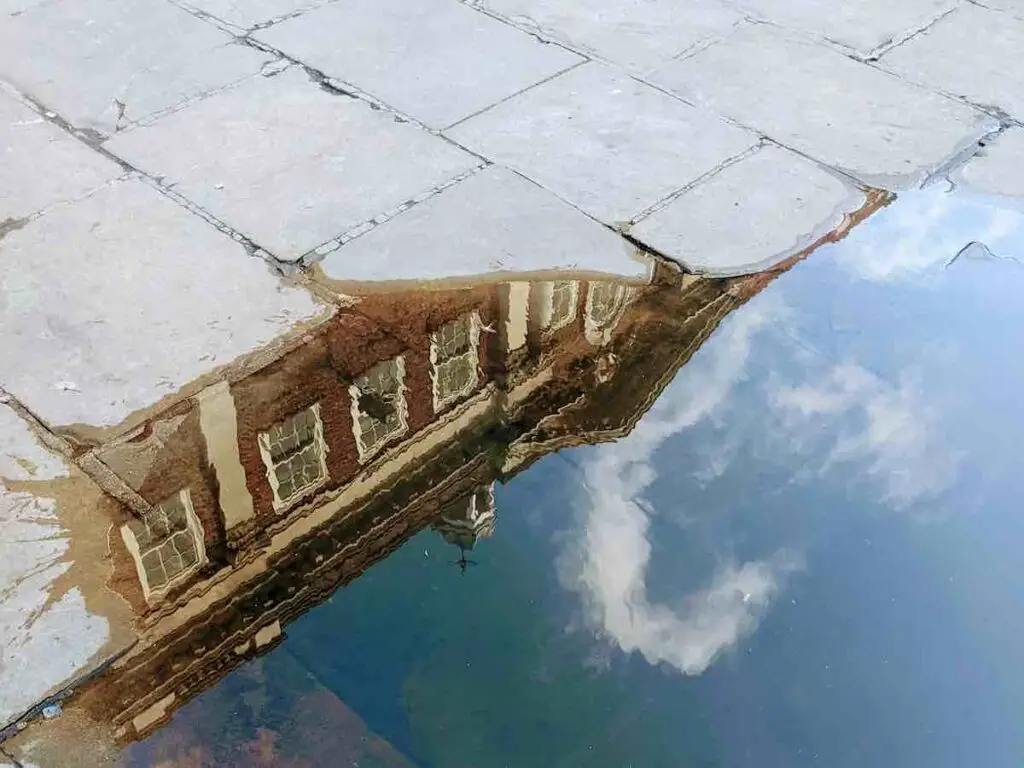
(638, 34)
(436, 60)
(999, 168)
(289, 164)
(861, 26)
(246, 14)
(491, 222)
(610, 145)
(111, 303)
(42, 164)
(846, 114)
(79, 56)
(58, 621)
(974, 52)
(1015, 7)
(751, 215)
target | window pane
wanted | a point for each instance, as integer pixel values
(152, 564)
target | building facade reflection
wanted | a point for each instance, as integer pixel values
(258, 496)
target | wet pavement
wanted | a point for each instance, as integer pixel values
(755, 521)
(510, 382)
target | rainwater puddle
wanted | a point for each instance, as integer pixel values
(766, 521)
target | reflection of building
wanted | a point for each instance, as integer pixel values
(261, 493)
(466, 520)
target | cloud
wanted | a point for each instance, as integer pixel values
(927, 229)
(890, 427)
(609, 563)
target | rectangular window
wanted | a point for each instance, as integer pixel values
(565, 296)
(295, 455)
(167, 543)
(455, 360)
(379, 411)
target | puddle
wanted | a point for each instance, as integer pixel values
(760, 521)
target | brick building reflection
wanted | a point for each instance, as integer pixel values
(268, 489)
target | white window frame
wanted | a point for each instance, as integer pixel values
(599, 331)
(473, 353)
(263, 439)
(195, 528)
(366, 453)
(548, 321)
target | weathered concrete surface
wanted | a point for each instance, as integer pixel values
(880, 129)
(81, 56)
(436, 60)
(974, 53)
(861, 26)
(246, 14)
(493, 221)
(115, 301)
(58, 620)
(752, 214)
(606, 143)
(41, 164)
(1014, 7)
(288, 164)
(637, 34)
(999, 169)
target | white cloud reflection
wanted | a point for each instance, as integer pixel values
(926, 230)
(609, 567)
(888, 428)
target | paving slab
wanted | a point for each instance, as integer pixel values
(603, 141)
(1015, 7)
(110, 303)
(861, 26)
(846, 114)
(79, 56)
(974, 52)
(999, 168)
(638, 34)
(43, 165)
(246, 14)
(751, 215)
(436, 60)
(58, 621)
(289, 164)
(492, 222)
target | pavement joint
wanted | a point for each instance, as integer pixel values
(87, 461)
(668, 199)
(317, 254)
(908, 35)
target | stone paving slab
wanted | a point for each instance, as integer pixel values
(1014, 7)
(999, 169)
(493, 221)
(862, 26)
(79, 56)
(637, 34)
(436, 60)
(846, 114)
(57, 619)
(603, 141)
(110, 303)
(751, 214)
(288, 164)
(974, 53)
(42, 165)
(246, 14)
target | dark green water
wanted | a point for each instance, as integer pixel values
(808, 553)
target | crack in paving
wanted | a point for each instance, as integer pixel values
(10, 758)
(907, 35)
(11, 225)
(90, 464)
